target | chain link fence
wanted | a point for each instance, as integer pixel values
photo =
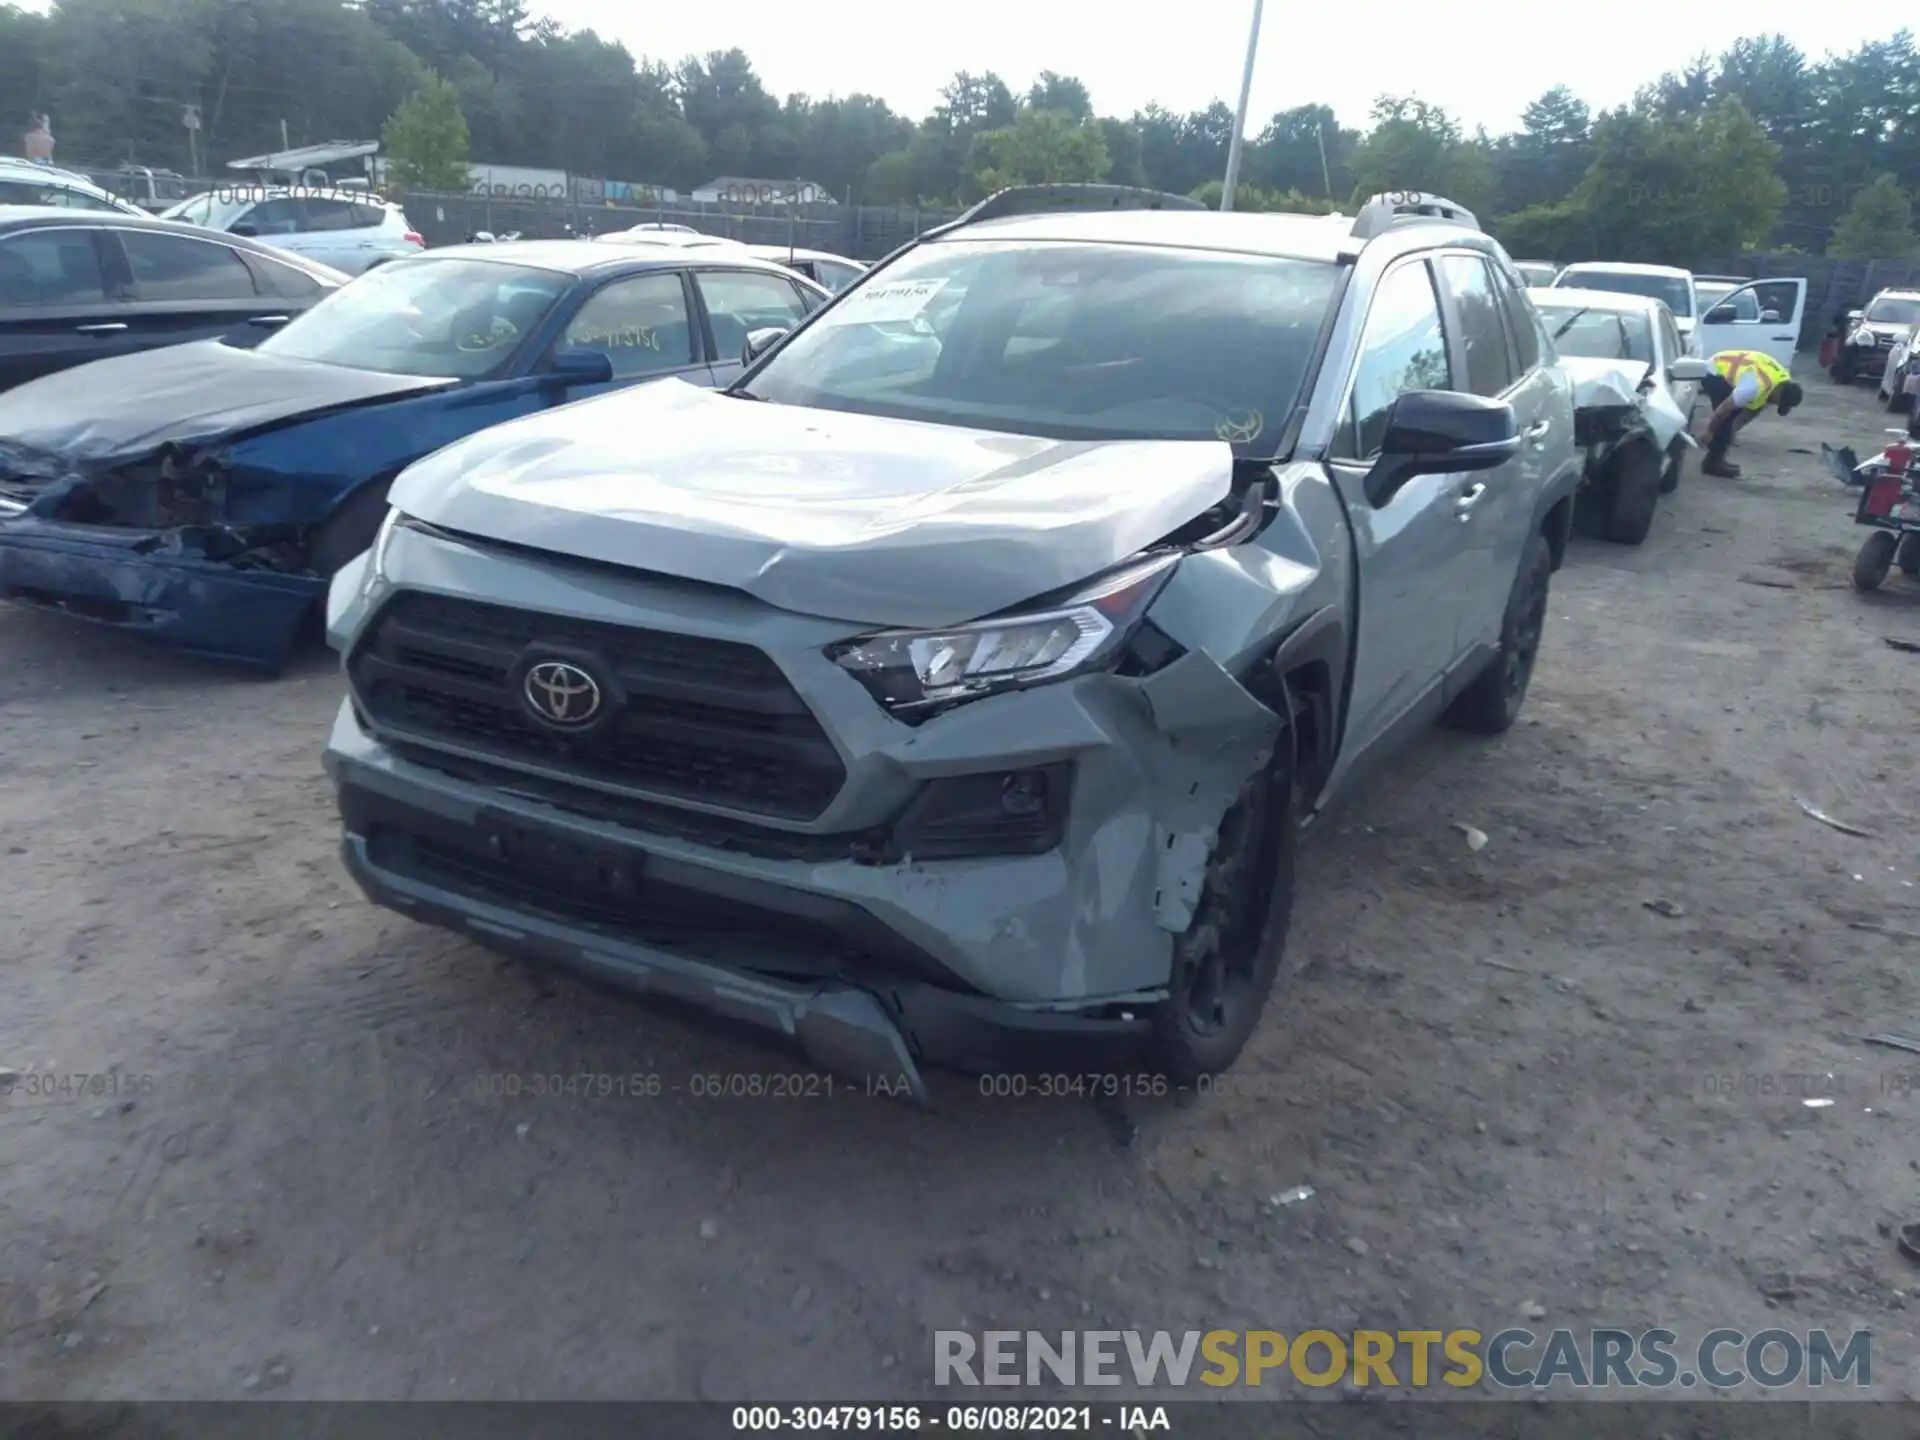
(860, 232)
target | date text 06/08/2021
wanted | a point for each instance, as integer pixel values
(960, 1419)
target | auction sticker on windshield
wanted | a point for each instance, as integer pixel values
(884, 303)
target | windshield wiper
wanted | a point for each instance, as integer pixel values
(1568, 323)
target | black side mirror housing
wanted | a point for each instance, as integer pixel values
(760, 341)
(244, 230)
(1440, 432)
(1722, 314)
(577, 365)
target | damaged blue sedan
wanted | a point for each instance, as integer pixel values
(204, 494)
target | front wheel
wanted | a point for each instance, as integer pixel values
(1231, 960)
(1676, 462)
(1632, 491)
(1875, 559)
(1491, 704)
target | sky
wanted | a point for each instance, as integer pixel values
(1483, 63)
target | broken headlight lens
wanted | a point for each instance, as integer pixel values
(375, 575)
(915, 671)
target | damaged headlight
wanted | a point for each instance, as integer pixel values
(375, 576)
(912, 671)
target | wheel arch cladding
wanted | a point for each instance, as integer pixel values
(1211, 736)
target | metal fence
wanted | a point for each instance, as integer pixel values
(860, 232)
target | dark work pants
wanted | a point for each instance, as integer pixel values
(1718, 391)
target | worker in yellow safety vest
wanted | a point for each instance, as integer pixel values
(1741, 383)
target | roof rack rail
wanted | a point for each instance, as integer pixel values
(1382, 212)
(1052, 199)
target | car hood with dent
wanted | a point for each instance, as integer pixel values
(181, 394)
(848, 517)
(1601, 384)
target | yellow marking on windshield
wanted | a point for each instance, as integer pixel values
(1240, 426)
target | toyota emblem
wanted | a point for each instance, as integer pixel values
(562, 694)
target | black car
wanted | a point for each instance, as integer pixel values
(81, 285)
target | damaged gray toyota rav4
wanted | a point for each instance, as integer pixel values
(950, 689)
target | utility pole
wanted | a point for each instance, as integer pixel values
(285, 143)
(1240, 115)
(1326, 175)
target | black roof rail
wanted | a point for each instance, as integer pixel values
(1382, 212)
(1053, 199)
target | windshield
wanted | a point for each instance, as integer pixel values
(1893, 310)
(1071, 341)
(1670, 288)
(1598, 334)
(459, 318)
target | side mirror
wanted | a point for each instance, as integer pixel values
(761, 341)
(1769, 317)
(1687, 368)
(577, 365)
(1722, 315)
(1440, 432)
(244, 230)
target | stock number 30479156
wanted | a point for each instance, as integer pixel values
(893, 1419)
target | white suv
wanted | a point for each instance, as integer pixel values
(22, 182)
(350, 230)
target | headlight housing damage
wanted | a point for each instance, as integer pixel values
(916, 672)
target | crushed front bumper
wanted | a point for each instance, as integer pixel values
(794, 948)
(129, 580)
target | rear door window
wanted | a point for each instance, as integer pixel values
(1523, 323)
(1483, 330)
(272, 217)
(50, 267)
(177, 267)
(325, 215)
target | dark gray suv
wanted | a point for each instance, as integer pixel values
(953, 687)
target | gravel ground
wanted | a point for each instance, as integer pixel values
(1560, 1076)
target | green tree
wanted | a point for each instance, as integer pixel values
(1040, 147)
(1258, 199)
(1417, 146)
(1303, 149)
(425, 140)
(1061, 93)
(1666, 188)
(1877, 225)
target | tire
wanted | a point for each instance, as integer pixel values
(1676, 462)
(350, 529)
(1232, 959)
(1907, 557)
(1491, 704)
(1632, 493)
(1875, 559)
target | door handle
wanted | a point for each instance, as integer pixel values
(1464, 502)
(114, 327)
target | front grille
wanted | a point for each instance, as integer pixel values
(707, 720)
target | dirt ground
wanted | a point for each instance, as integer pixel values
(1564, 1071)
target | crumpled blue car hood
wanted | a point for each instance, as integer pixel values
(116, 408)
